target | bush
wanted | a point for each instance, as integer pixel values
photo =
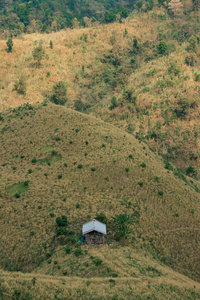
(38, 54)
(143, 165)
(102, 218)
(97, 261)
(162, 48)
(20, 86)
(59, 176)
(62, 221)
(59, 93)
(67, 249)
(61, 231)
(80, 166)
(78, 252)
(9, 45)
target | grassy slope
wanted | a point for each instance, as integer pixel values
(168, 223)
(140, 278)
(157, 90)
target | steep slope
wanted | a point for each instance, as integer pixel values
(139, 76)
(55, 161)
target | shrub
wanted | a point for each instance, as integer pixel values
(62, 221)
(77, 205)
(61, 231)
(162, 48)
(49, 261)
(59, 176)
(197, 77)
(113, 102)
(30, 171)
(122, 223)
(59, 93)
(190, 60)
(51, 44)
(80, 166)
(17, 195)
(97, 261)
(38, 53)
(127, 169)
(102, 218)
(140, 183)
(143, 165)
(34, 160)
(190, 171)
(93, 169)
(67, 249)
(160, 193)
(20, 86)
(9, 45)
(78, 252)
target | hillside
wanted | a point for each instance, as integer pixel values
(118, 72)
(142, 278)
(55, 161)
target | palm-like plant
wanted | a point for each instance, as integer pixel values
(122, 223)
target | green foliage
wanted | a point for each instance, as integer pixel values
(38, 54)
(190, 60)
(102, 218)
(20, 86)
(190, 171)
(162, 48)
(59, 93)
(110, 17)
(78, 252)
(51, 44)
(113, 103)
(67, 249)
(61, 231)
(122, 224)
(9, 45)
(62, 221)
(97, 262)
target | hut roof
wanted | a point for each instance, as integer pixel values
(94, 225)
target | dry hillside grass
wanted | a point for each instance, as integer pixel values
(140, 278)
(55, 161)
(84, 58)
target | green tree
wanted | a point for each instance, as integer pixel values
(162, 47)
(110, 17)
(122, 223)
(9, 45)
(59, 93)
(61, 221)
(38, 54)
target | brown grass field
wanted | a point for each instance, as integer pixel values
(42, 148)
(78, 59)
(57, 161)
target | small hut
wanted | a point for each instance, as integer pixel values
(94, 232)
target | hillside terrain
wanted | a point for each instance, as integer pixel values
(138, 76)
(124, 144)
(55, 161)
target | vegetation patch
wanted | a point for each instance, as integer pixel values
(17, 189)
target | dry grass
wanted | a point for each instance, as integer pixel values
(156, 101)
(140, 277)
(167, 208)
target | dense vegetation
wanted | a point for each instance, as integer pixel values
(47, 15)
